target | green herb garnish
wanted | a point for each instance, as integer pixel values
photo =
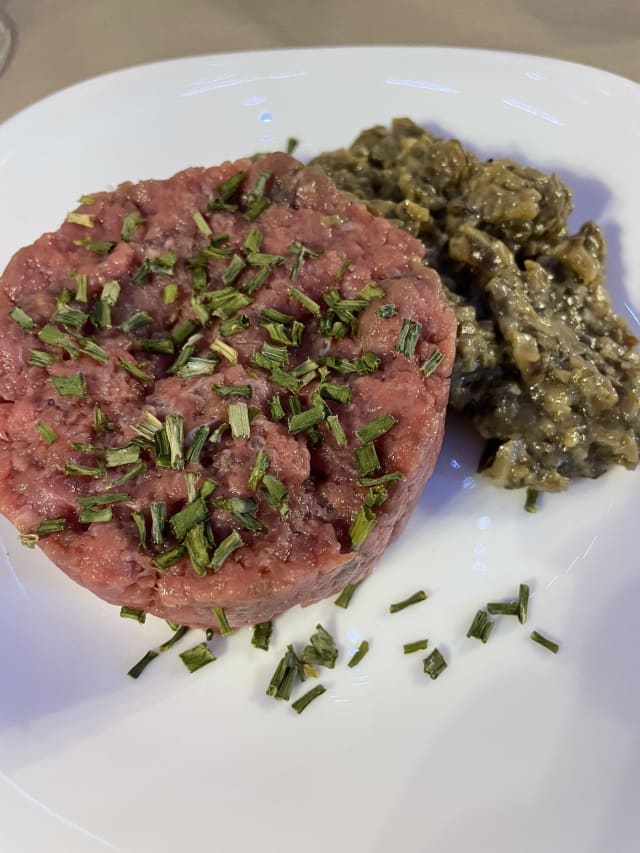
(416, 646)
(197, 657)
(304, 420)
(363, 523)
(375, 428)
(158, 511)
(134, 370)
(70, 386)
(95, 516)
(544, 641)
(434, 664)
(262, 635)
(288, 670)
(409, 337)
(46, 433)
(300, 252)
(102, 499)
(19, 316)
(276, 494)
(138, 668)
(387, 311)
(531, 502)
(344, 599)
(221, 618)
(391, 477)
(87, 220)
(141, 527)
(129, 225)
(366, 459)
(300, 704)
(361, 651)
(129, 613)
(162, 265)
(136, 321)
(226, 192)
(481, 626)
(431, 363)
(238, 414)
(98, 247)
(186, 518)
(421, 595)
(321, 649)
(306, 301)
(228, 545)
(168, 558)
(256, 199)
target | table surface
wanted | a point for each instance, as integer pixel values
(60, 42)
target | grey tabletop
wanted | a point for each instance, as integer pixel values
(56, 43)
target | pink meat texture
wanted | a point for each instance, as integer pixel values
(302, 551)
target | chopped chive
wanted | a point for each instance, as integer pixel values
(337, 430)
(191, 478)
(102, 499)
(387, 311)
(270, 356)
(306, 419)
(110, 292)
(148, 426)
(523, 602)
(233, 270)
(416, 646)
(263, 259)
(235, 505)
(366, 459)
(168, 558)
(81, 287)
(162, 346)
(363, 523)
(233, 390)
(254, 284)
(292, 144)
(91, 516)
(207, 488)
(125, 455)
(138, 668)
(46, 433)
(344, 599)
(180, 631)
(158, 511)
(141, 527)
(376, 428)
(133, 471)
(87, 220)
(70, 386)
(481, 626)
(276, 494)
(256, 201)
(434, 664)
(431, 363)
(84, 447)
(500, 608)
(321, 649)
(543, 641)
(226, 191)
(186, 518)
(136, 321)
(225, 302)
(218, 432)
(93, 350)
(53, 336)
(344, 266)
(531, 502)
(300, 252)
(421, 595)
(162, 265)
(376, 496)
(86, 199)
(74, 469)
(306, 301)
(391, 477)
(262, 635)
(409, 337)
(361, 651)
(238, 414)
(98, 247)
(134, 370)
(275, 407)
(233, 325)
(198, 548)
(283, 679)
(279, 333)
(201, 223)
(198, 442)
(203, 315)
(183, 332)
(197, 367)
(186, 352)
(197, 657)
(300, 704)
(226, 351)
(337, 392)
(129, 224)
(170, 293)
(285, 380)
(174, 426)
(228, 545)
(39, 358)
(253, 240)
(259, 469)
(221, 618)
(129, 613)
(50, 525)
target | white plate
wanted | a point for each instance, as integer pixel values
(513, 749)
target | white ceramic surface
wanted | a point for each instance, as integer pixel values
(512, 750)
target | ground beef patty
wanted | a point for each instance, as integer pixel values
(185, 366)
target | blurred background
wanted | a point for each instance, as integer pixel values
(55, 43)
